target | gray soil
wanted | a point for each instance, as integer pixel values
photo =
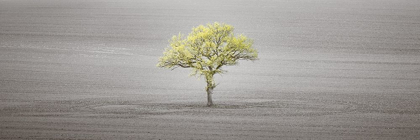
(328, 69)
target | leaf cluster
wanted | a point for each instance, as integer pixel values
(207, 49)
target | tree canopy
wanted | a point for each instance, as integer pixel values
(206, 50)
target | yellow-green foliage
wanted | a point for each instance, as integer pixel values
(206, 49)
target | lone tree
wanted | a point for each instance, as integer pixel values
(206, 50)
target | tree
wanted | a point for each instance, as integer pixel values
(206, 50)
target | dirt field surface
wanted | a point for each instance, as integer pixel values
(328, 69)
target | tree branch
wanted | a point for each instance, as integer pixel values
(183, 66)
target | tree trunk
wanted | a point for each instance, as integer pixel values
(209, 93)
(210, 86)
